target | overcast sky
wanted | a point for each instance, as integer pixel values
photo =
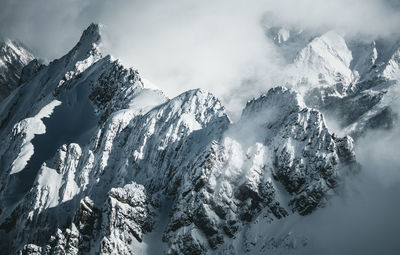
(179, 45)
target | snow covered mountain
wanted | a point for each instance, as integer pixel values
(350, 80)
(13, 57)
(95, 162)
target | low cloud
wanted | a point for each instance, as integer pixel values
(364, 219)
(179, 45)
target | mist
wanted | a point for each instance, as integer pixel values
(364, 218)
(179, 45)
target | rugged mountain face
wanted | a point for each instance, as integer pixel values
(13, 58)
(291, 166)
(94, 161)
(347, 79)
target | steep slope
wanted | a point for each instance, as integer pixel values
(62, 103)
(277, 160)
(370, 101)
(178, 149)
(324, 63)
(152, 145)
(13, 57)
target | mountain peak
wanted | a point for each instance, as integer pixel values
(281, 99)
(90, 39)
(11, 48)
(13, 57)
(88, 46)
(91, 34)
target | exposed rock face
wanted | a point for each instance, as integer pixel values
(306, 154)
(128, 216)
(237, 177)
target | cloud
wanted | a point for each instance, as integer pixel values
(178, 45)
(361, 17)
(364, 219)
(364, 222)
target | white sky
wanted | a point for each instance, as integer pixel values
(179, 45)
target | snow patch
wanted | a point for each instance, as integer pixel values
(28, 128)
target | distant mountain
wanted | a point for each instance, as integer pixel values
(353, 81)
(13, 58)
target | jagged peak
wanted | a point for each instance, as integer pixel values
(329, 42)
(91, 34)
(198, 98)
(281, 98)
(88, 45)
(194, 92)
(13, 57)
(195, 106)
(14, 47)
(193, 95)
(4, 42)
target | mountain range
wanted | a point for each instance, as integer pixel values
(95, 161)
